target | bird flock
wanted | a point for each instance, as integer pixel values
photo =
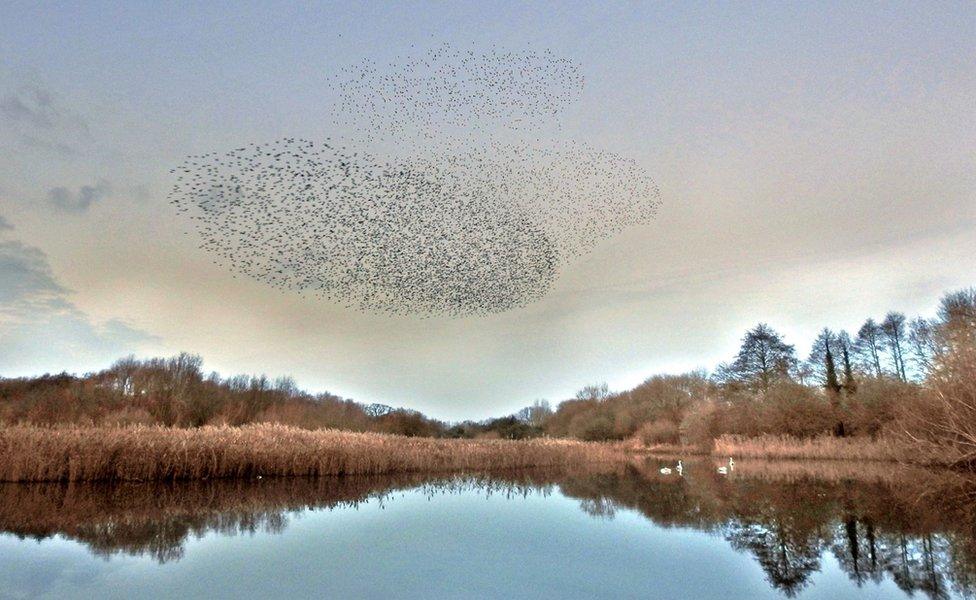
(452, 89)
(458, 219)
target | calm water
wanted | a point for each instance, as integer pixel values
(764, 531)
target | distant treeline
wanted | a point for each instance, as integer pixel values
(176, 392)
(911, 379)
(914, 380)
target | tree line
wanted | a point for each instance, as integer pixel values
(911, 378)
(176, 392)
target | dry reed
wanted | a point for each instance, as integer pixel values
(31, 453)
(819, 448)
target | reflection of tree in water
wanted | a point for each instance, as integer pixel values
(163, 540)
(787, 561)
(915, 563)
(156, 520)
(875, 528)
(601, 508)
(783, 530)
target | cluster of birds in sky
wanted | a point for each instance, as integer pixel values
(463, 90)
(453, 221)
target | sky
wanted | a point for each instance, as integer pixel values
(816, 165)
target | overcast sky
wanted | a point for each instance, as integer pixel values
(816, 161)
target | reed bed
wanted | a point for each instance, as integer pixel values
(819, 448)
(634, 445)
(141, 453)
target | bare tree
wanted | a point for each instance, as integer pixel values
(597, 392)
(124, 372)
(868, 346)
(948, 424)
(539, 412)
(763, 359)
(805, 375)
(893, 328)
(922, 343)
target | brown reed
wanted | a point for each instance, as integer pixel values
(141, 453)
(818, 448)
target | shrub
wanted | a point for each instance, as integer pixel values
(592, 428)
(660, 431)
(795, 410)
(700, 426)
(127, 416)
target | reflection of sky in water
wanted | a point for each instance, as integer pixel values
(458, 545)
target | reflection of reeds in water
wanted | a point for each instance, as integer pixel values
(916, 527)
(29, 453)
(156, 518)
(825, 470)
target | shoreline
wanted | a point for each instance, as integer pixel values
(139, 453)
(788, 448)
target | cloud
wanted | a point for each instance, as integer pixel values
(37, 119)
(27, 284)
(42, 329)
(79, 201)
(33, 106)
(5, 224)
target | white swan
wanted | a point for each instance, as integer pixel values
(723, 470)
(680, 469)
(731, 464)
(665, 470)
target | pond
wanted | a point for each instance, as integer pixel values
(765, 530)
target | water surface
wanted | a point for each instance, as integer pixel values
(767, 530)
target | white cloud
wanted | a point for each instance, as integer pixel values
(41, 329)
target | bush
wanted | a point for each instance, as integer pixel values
(796, 410)
(592, 429)
(877, 403)
(700, 426)
(661, 431)
(125, 417)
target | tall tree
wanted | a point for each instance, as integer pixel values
(850, 385)
(831, 382)
(763, 359)
(922, 343)
(868, 346)
(826, 342)
(822, 361)
(893, 328)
